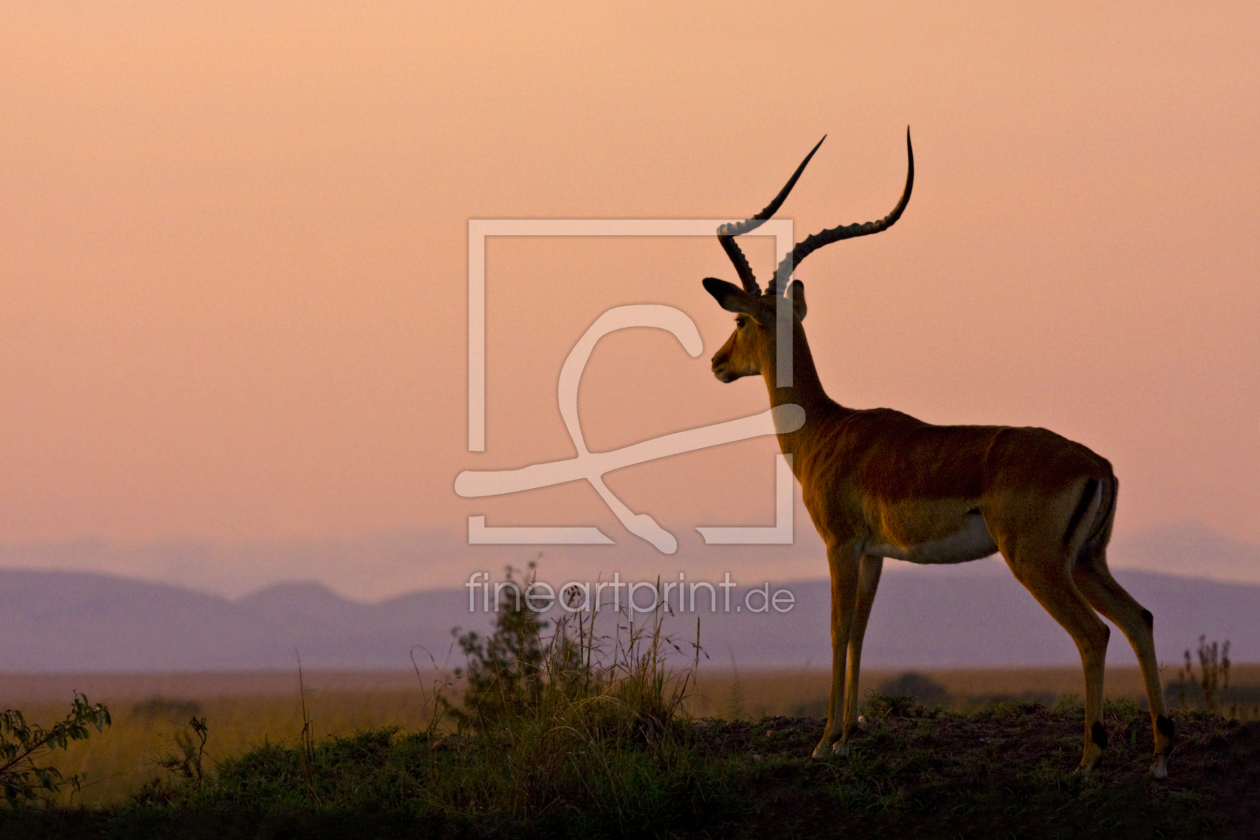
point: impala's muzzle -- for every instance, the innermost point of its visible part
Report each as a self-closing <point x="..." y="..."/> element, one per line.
<point x="721" y="372"/>
<point x="727" y="372"/>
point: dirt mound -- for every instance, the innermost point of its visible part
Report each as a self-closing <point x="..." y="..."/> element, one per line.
<point x="917" y="772"/>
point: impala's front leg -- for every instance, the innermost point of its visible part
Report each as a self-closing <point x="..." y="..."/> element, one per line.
<point x="868" y="581"/>
<point x="843" y="559"/>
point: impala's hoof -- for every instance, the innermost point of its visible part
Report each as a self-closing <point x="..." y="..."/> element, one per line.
<point x="841" y="749"/>
<point x="1087" y="768"/>
<point x="1093" y="752"/>
<point x="1089" y="763"/>
<point x="1160" y="768"/>
<point x="820" y="751"/>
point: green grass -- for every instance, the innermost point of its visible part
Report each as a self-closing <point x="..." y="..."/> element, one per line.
<point x="1005" y="771"/>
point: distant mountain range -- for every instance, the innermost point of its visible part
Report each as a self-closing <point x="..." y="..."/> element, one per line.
<point x="384" y="565"/>
<point x="970" y="615"/>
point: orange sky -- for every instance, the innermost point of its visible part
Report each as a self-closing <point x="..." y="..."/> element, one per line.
<point x="233" y="279"/>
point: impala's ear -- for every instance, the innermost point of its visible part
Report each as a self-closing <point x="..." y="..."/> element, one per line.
<point x="796" y="293"/>
<point x="729" y="296"/>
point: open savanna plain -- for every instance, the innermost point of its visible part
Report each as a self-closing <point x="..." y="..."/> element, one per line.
<point x="360" y="754"/>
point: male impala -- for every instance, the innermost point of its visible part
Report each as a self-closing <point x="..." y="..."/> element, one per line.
<point x="879" y="483"/>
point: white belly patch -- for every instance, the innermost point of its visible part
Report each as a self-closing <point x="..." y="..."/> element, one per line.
<point x="971" y="543"/>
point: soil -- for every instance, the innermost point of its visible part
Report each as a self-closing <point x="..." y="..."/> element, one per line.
<point x="1004" y="773"/>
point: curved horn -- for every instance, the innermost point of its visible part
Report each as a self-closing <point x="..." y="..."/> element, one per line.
<point x="727" y="233"/>
<point x="826" y="237"/>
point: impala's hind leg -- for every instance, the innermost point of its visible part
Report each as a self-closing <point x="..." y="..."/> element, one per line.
<point x="1095" y="582"/>
<point x="1046" y="576"/>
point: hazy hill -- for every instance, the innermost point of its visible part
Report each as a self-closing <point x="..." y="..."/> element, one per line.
<point x="387" y="564"/>
<point x="975" y="615"/>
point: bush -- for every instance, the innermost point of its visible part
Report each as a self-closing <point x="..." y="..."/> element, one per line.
<point x="923" y="689"/>
<point x="23" y="746"/>
<point x="573" y="675"/>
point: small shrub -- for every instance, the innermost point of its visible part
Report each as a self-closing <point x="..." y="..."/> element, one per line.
<point x="505" y="671"/>
<point x="886" y="706"/>
<point x="165" y="708"/>
<point x="185" y="769"/>
<point x="23" y="746"/>
<point x="1213" y="679"/>
<point x="574" y="675"/>
<point x="923" y="689"/>
<point x="191" y="741"/>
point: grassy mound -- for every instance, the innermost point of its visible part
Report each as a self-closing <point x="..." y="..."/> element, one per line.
<point x="1006" y="771"/>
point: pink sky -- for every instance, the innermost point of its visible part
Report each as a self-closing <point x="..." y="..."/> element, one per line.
<point x="233" y="279"/>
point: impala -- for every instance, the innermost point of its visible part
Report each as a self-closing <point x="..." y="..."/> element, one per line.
<point x="881" y="484"/>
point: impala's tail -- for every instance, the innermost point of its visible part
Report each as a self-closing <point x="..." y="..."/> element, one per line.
<point x="1090" y="524"/>
<point x="1101" y="532"/>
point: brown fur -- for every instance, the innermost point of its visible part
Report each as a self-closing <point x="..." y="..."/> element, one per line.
<point x="878" y="482"/>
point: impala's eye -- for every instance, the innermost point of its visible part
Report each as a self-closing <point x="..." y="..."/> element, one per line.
<point x="741" y="322"/>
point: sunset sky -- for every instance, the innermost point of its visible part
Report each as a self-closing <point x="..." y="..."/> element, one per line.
<point x="233" y="280"/>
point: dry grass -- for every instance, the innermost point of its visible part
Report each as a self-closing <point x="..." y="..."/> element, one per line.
<point x="246" y="709"/>
<point x="242" y="710"/>
<point x="755" y="694"/>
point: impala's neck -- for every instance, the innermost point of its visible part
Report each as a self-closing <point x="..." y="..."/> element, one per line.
<point x="806" y="391"/>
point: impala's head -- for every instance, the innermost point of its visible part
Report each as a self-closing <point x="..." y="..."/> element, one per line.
<point x="751" y="348"/>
